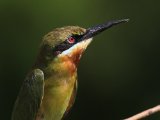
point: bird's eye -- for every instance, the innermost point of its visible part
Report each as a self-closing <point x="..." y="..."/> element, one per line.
<point x="71" y="40"/>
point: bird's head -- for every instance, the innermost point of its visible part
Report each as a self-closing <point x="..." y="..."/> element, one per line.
<point x="68" y="43"/>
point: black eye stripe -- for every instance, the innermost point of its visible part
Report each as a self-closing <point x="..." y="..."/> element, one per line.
<point x="62" y="46"/>
<point x="66" y="45"/>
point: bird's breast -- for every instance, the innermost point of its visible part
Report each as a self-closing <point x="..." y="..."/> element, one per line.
<point x="58" y="90"/>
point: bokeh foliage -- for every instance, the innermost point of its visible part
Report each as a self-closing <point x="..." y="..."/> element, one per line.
<point x="119" y="75"/>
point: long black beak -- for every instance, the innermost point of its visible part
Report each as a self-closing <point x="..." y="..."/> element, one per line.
<point x="91" y="32"/>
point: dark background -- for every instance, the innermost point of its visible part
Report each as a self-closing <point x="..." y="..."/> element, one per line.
<point x="119" y="74"/>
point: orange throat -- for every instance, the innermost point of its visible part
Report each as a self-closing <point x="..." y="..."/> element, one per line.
<point x="70" y="62"/>
<point x="72" y="56"/>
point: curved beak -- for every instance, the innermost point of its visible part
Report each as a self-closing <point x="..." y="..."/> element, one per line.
<point x="91" y="32"/>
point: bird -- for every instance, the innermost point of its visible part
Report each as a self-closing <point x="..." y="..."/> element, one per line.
<point x="49" y="89"/>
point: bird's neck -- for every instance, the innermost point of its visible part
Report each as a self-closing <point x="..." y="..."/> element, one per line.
<point x="64" y="64"/>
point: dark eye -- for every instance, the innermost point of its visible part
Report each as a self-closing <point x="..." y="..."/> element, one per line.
<point x="71" y="40"/>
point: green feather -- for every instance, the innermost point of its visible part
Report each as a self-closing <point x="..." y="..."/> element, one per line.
<point x="30" y="96"/>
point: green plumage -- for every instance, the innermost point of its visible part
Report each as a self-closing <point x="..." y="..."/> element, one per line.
<point x="30" y="96"/>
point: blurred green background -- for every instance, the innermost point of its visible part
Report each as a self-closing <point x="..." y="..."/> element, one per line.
<point x="119" y="74"/>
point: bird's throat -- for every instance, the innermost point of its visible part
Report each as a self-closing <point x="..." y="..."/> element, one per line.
<point x="75" y="52"/>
